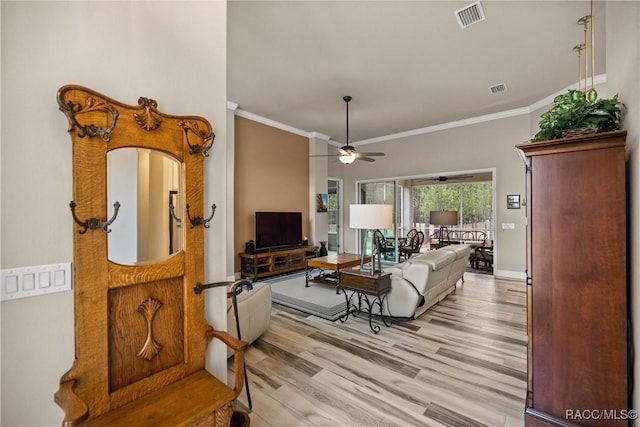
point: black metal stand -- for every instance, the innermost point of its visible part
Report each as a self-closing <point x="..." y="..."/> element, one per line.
<point x="236" y="289"/>
<point x="377" y="298"/>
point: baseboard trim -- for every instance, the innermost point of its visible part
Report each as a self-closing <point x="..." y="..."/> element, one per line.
<point x="508" y="274"/>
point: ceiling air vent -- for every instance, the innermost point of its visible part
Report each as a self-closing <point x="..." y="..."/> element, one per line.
<point x="470" y="15"/>
<point x="500" y="88"/>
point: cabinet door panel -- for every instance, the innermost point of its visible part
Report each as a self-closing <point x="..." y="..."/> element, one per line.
<point x="578" y="296"/>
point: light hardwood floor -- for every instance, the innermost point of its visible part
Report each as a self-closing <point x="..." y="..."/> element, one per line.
<point x="462" y="363"/>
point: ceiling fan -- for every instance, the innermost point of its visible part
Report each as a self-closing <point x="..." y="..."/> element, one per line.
<point x="453" y="177"/>
<point x="348" y="153"/>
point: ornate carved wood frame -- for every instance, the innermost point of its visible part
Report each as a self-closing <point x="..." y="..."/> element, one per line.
<point x="138" y="328"/>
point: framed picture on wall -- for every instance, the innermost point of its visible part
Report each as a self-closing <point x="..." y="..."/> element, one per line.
<point x="321" y="202"/>
<point x="513" y="201"/>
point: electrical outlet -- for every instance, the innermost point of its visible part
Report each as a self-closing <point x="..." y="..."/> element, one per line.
<point x="36" y="280"/>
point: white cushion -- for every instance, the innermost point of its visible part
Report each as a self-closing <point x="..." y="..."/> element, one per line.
<point x="461" y="250"/>
<point x="436" y="259"/>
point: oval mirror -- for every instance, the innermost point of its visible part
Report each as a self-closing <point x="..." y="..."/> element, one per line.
<point x="149" y="225"/>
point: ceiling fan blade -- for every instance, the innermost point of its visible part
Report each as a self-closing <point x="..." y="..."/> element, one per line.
<point x="361" y="155"/>
<point x="372" y="154"/>
<point x="324" y="155"/>
<point x="366" y="159"/>
<point x="452" y="177"/>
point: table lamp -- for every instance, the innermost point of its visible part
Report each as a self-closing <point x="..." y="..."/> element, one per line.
<point x="443" y="218"/>
<point x="370" y="217"/>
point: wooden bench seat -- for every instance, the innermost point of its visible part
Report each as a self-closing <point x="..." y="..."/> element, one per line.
<point x="192" y="401"/>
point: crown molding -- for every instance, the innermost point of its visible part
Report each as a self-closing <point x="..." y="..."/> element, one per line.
<point x="599" y="79"/>
<point x="318" y="135"/>
<point x="443" y="126"/>
<point x="265" y="121"/>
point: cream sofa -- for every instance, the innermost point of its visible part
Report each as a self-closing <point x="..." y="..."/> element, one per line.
<point x="254" y="312"/>
<point x="424" y="280"/>
<point x="462" y="252"/>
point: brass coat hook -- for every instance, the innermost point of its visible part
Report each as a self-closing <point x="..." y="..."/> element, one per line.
<point x="71" y="109"/>
<point x="199" y="220"/>
<point x="94" y="223"/>
<point x="207" y="139"/>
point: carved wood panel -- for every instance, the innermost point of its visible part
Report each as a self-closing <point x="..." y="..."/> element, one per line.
<point x="146" y="330"/>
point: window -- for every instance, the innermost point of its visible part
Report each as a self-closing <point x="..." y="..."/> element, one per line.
<point x="380" y="193"/>
<point x="472" y="201"/>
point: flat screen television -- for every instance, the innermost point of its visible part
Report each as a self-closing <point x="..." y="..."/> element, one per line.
<point x="278" y="230"/>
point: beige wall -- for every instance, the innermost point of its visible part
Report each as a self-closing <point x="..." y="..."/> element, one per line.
<point x="483" y="146"/>
<point x="272" y="174"/>
<point x="124" y="50"/>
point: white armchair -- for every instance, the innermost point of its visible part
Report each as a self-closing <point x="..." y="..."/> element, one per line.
<point x="254" y="312"/>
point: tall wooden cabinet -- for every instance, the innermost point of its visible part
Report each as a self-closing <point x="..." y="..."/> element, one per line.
<point x="577" y="292"/>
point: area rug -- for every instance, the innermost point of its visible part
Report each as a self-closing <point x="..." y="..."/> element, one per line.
<point x="318" y="300"/>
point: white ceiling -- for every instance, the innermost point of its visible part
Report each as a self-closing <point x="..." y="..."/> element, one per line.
<point x="407" y="65"/>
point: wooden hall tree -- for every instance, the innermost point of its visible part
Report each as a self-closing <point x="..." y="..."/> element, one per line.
<point x="140" y="329"/>
<point x="577" y="291"/>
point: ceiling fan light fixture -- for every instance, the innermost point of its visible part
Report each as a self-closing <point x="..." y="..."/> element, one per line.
<point x="347" y="159"/>
<point x="347" y="154"/>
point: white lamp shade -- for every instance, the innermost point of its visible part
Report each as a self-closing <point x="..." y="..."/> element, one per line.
<point x="371" y="217"/>
<point x="443" y="217"/>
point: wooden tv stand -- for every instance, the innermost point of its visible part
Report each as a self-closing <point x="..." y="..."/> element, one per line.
<point x="271" y="263"/>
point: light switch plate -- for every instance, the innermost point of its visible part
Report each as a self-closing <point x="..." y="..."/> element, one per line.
<point x="25" y="282"/>
<point x="508" y="226"/>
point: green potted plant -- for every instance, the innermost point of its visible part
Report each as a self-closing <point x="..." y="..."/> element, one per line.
<point x="577" y="112"/>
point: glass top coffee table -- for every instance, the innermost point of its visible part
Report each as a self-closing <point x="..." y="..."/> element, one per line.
<point x="330" y="262"/>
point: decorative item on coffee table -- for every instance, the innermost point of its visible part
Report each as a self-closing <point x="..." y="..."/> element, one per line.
<point x="371" y="291"/>
<point x="322" y="251"/>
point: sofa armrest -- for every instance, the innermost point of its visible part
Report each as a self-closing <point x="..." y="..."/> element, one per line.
<point x="417" y="274"/>
<point x="238" y="348"/>
<point x="403" y="299"/>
